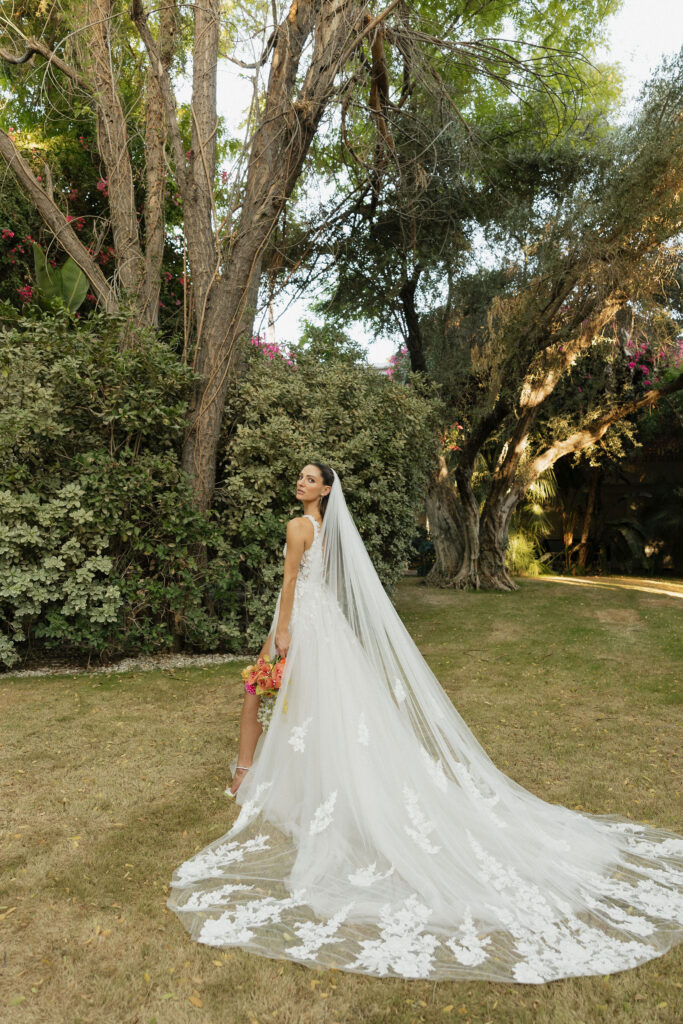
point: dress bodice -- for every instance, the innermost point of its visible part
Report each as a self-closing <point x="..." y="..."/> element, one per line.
<point x="311" y="561"/>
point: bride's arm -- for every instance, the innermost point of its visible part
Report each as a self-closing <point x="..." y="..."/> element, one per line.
<point x="296" y="533"/>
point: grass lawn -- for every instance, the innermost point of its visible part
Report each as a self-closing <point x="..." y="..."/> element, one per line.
<point x="110" y="781"/>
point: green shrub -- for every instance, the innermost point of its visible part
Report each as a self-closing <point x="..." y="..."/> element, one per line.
<point x="98" y="527"/>
<point x="102" y="549"/>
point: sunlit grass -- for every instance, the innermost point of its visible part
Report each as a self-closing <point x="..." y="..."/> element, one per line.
<point x="110" y="781"/>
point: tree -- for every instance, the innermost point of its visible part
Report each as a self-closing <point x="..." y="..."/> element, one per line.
<point x="314" y="53"/>
<point x="611" y="250"/>
<point x="587" y="227"/>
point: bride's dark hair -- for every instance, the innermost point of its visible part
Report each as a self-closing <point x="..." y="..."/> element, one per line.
<point x="328" y="479"/>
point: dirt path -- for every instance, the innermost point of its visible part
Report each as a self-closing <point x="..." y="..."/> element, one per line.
<point x="670" y="588"/>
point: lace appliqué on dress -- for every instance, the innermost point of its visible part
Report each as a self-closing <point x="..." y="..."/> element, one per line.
<point x="323" y="815"/>
<point x="403" y="946"/>
<point x="422" y="826"/>
<point x="234" y="927"/>
<point x="208" y="863"/>
<point x="468" y="948"/>
<point x="297" y="735"/>
<point x="366" y="876"/>
<point x="314" y="935"/>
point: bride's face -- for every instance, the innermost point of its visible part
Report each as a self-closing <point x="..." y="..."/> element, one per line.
<point x="310" y="484"/>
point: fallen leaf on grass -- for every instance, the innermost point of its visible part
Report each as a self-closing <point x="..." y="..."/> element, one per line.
<point x="15" y="1000"/>
<point x="195" y="999"/>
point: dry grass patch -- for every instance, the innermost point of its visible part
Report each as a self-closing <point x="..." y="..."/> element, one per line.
<point x="109" y="782"/>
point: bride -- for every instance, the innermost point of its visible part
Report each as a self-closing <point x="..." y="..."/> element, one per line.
<point x="375" y="835"/>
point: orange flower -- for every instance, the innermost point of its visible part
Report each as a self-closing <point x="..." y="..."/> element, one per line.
<point x="264" y="678"/>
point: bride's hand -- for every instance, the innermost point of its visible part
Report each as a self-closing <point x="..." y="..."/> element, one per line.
<point x="282" y="642"/>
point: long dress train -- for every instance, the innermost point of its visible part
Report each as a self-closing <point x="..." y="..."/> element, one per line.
<point x="375" y="835"/>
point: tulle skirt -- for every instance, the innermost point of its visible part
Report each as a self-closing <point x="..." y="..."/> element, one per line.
<point x="361" y="846"/>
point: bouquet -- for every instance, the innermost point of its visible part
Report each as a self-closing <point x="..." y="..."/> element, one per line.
<point x="265" y="678"/>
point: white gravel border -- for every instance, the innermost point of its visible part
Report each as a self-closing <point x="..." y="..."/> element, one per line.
<point x="145" y="663"/>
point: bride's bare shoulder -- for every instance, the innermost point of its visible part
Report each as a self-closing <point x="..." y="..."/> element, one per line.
<point x="299" y="525"/>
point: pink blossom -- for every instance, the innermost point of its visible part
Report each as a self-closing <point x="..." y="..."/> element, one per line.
<point x="25" y="293"/>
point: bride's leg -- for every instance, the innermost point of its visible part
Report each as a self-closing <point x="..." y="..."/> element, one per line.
<point x="250" y="730"/>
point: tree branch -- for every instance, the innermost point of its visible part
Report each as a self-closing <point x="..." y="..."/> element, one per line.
<point x="57" y="222"/>
<point x="592" y="433"/>
<point x="34" y="46"/>
<point x="139" y="18"/>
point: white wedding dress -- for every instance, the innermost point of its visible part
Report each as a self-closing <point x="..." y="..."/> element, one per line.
<point x="375" y="835"/>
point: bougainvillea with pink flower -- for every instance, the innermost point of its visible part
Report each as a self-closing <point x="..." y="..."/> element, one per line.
<point x="272" y="350"/>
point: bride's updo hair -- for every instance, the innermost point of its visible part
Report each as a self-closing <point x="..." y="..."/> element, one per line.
<point x="328" y="480"/>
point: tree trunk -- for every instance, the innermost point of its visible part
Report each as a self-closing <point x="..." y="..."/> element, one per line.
<point x="588" y="518"/>
<point x="493" y="542"/>
<point x="499" y="506"/>
<point x="281" y="143"/>
<point x="412" y="322"/>
<point x="568" y="526"/>
<point x="228" y="321"/>
<point x="454" y="529"/>
<point x="444" y="529"/>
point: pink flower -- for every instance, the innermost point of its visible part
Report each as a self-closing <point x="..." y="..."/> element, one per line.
<point x="25" y="293"/>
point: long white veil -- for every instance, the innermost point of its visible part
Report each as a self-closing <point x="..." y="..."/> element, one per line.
<point x="353" y="580"/>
